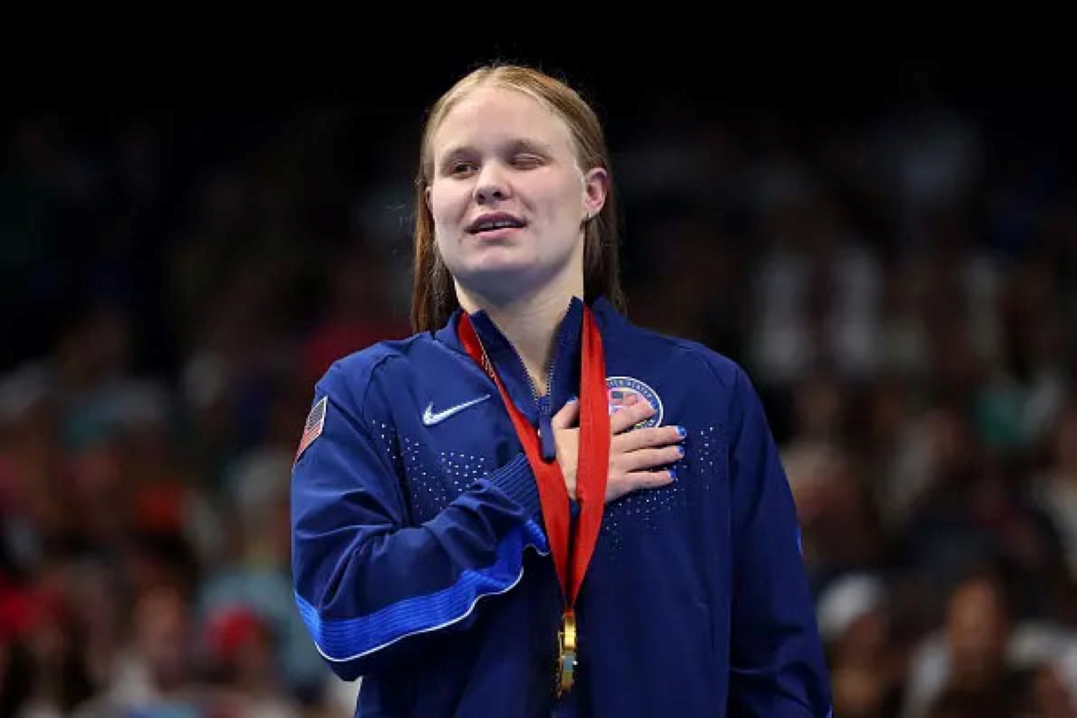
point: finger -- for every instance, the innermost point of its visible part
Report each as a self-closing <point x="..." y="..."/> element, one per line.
<point x="568" y="416"/>
<point x="645" y="438"/>
<point x="651" y="479"/>
<point x="640" y="480"/>
<point x="629" y="416"/>
<point x="649" y="458"/>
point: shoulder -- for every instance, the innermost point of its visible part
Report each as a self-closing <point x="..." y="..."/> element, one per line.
<point x="655" y="346"/>
<point x="721" y="385"/>
<point x="687" y="355"/>
<point x="349" y="379"/>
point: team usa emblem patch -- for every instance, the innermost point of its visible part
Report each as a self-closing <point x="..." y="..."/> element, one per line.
<point x="313" y="428"/>
<point x="620" y="388"/>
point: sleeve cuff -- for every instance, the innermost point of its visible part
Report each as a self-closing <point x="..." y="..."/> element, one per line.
<point x="518" y="482"/>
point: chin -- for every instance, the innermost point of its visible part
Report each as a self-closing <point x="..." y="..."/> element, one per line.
<point x="502" y="280"/>
<point x="505" y="273"/>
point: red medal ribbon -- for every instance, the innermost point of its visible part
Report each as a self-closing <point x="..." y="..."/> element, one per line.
<point x="593" y="459"/>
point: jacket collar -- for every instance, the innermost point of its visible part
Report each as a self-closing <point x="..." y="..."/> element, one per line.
<point x="564" y="381"/>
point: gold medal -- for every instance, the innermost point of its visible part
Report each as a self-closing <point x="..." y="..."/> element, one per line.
<point x="566" y="659"/>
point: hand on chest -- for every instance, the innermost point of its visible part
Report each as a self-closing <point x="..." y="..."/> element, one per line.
<point x="464" y="432"/>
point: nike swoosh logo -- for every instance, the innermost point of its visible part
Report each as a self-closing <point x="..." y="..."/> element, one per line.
<point x="431" y="417"/>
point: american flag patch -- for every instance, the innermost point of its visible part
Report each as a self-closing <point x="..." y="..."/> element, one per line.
<point x="313" y="428"/>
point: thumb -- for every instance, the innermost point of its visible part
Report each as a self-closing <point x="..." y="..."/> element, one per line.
<point x="568" y="416"/>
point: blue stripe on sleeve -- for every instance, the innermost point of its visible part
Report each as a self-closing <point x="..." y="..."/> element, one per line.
<point x="351" y="638"/>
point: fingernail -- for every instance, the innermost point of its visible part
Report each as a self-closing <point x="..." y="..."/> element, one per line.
<point x="681" y="430"/>
<point x="673" y="473"/>
<point x="572" y="399"/>
<point x="680" y="449"/>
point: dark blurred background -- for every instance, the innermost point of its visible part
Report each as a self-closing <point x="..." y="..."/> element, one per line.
<point x="887" y="244"/>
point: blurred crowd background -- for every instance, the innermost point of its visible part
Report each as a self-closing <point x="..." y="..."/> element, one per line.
<point x="892" y="261"/>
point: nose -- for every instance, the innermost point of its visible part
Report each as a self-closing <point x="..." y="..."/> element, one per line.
<point x="491" y="186"/>
<point x="489" y="193"/>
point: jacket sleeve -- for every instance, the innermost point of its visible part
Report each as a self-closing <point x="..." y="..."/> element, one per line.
<point x="777" y="665"/>
<point x="370" y="586"/>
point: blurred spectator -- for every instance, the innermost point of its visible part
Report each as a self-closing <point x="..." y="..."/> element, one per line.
<point x="867" y="673"/>
<point x="1056" y="488"/>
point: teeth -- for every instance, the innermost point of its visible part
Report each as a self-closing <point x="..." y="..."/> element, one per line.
<point x="496" y="225"/>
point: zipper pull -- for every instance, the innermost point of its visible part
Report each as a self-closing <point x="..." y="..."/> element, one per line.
<point x="573" y="509"/>
<point x="549" y="446"/>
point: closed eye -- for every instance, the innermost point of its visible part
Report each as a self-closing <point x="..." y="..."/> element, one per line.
<point x="527" y="161"/>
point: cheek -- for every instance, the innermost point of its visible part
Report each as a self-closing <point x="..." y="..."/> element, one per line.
<point x="567" y="202"/>
<point x="447" y="203"/>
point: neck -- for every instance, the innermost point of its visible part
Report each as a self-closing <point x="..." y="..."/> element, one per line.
<point x="530" y="323"/>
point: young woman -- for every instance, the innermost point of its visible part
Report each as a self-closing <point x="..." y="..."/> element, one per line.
<point x="532" y="506"/>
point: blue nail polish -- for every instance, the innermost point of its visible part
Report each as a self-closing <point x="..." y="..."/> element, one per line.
<point x="681" y="430"/>
<point x="681" y="450"/>
<point x="572" y="399"/>
<point x="673" y="473"/>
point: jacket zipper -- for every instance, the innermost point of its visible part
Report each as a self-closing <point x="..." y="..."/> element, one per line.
<point x="549" y="446"/>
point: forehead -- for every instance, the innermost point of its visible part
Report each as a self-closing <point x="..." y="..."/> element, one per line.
<point x="491" y="115"/>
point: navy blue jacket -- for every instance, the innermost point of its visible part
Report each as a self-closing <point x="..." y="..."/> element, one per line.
<point x="420" y="561"/>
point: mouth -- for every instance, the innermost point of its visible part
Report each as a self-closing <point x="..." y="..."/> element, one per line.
<point x="495" y="222"/>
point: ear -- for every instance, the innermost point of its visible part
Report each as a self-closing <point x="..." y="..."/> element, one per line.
<point x="595" y="186"/>
<point x="426" y="195"/>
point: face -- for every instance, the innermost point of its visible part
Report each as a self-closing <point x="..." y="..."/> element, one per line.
<point x="507" y="195"/>
<point x="976" y="631"/>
